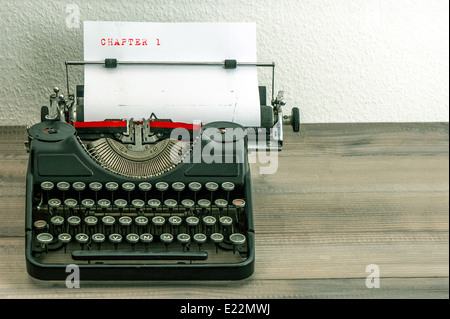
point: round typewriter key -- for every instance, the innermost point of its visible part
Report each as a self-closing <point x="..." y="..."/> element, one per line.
<point x="226" y="221"/>
<point x="128" y="187"/>
<point x="228" y="186"/>
<point x="54" y="203"/>
<point x="133" y="239"/>
<point x="88" y="203"/>
<point x="195" y="186"/>
<point x="158" y="220"/>
<point x="98" y="238"/>
<point x="44" y="239"/>
<point x="192" y="221"/>
<point x="237" y="239"/>
<point x="47" y="186"/>
<point x="112" y="186"/>
<point x="145" y="187"/>
<point x="79" y="186"/>
<point x="104" y="203"/>
<point x="200" y="239"/>
<point x="217" y="238"/>
<point x="178" y="186"/>
<point x="82" y="239"/>
<point x="183" y="239"/>
<point x="64" y="238"/>
<point x="120" y="204"/>
<point x="141" y="221"/>
<point x="74" y="220"/>
<point x="162" y="186"/>
<point x="175" y="220"/>
<point x="95" y="186"/>
<point x="63" y="186"/>
<point x="238" y="203"/>
<point x="170" y="204"/>
<point x="40" y="226"/>
<point x="209" y="220"/>
<point x="166" y="238"/>
<point x="90" y="221"/>
<point x="57" y="220"/>
<point x="138" y="204"/>
<point x="71" y="203"/>
<point x="221" y="204"/>
<point x="57" y="223"/>
<point x="115" y="239"/>
<point x="108" y="220"/>
<point x="212" y="186"/>
<point x="187" y="203"/>
<point x="146" y="238"/>
<point x="125" y="222"/>
<point x="204" y="204"/>
<point x="154" y="204"/>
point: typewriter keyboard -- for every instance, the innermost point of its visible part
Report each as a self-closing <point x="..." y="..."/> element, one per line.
<point x="139" y="222"/>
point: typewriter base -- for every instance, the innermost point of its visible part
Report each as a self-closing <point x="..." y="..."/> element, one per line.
<point x="182" y="270"/>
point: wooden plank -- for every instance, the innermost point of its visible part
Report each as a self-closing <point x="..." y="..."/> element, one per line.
<point x="343" y="196"/>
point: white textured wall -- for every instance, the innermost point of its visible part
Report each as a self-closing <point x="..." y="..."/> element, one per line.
<point x="337" y="60"/>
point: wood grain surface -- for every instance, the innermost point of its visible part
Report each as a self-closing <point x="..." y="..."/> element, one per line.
<point x="344" y="196"/>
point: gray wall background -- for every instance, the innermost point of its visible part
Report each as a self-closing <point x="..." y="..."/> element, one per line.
<point x="337" y="60"/>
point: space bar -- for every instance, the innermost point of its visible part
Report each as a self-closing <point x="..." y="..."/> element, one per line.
<point x="138" y="255"/>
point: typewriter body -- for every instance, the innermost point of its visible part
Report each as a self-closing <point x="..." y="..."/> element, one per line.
<point x="127" y="199"/>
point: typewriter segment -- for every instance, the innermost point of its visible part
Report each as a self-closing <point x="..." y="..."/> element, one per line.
<point x="121" y="213"/>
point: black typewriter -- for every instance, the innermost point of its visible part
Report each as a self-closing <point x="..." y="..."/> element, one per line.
<point x="123" y="199"/>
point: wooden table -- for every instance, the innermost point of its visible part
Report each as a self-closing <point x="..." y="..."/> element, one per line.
<point x="344" y="196"/>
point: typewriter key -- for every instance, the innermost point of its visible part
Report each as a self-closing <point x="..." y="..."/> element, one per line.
<point x="228" y="187"/>
<point x="115" y="239"/>
<point x="82" y="239"/>
<point x="199" y="239"/>
<point x="237" y="239"/>
<point x="95" y="187"/>
<point x="154" y="204"/>
<point x="141" y="222"/>
<point x="104" y="204"/>
<point x="146" y="238"/>
<point x="166" y="238"/>
<point x="170" y="204"/>
<point x="133" y="239"/>
<point x="98" y="239"/>
<point x="178" y="187"/>
<point x="108" y="223"/>
<point x="145" y="187"/>
<point x="90" y="222"/>
<point x="125" y="222"/>
<point x="195" y="187"/>
<point x="188" y="204"/>
<point x="175" y="222"/>
<point x="204" y="204"/>
<point x="44" y="239"/>
<point x="138" y="204"/>
<point x="192" y="223"/>
<point x="209" y="222"/>
<point x="54" y="203"/>
<point x="87" y="204"/>
<point x="221" y="204"/>
<point x="226" y="222"/>
<point x="71" y="204"/>
<point x="40" y="226"/>
<point x="64" y="238"/>
<point x="162" y="187"/>
<point x="57" y="223"/>
<point x="74" y="224"/>
<point x="120" y="204"/>
<point x="183" y="239"/>
<point x="47" y="186"/>
<point x="239" y="204"/>
<point x="63" y="187"/>
<point x="79" y="187"/>
<point x="212" y="187"/>
<point x="217" y="238"/>
<point x="128" y="187"/>
<point x="112" y="187"/>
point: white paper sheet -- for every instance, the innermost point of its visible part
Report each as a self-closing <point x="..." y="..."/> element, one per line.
<point x="180" y="93"/>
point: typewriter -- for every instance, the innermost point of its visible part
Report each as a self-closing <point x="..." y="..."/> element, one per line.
<point x="123" y="199"/>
